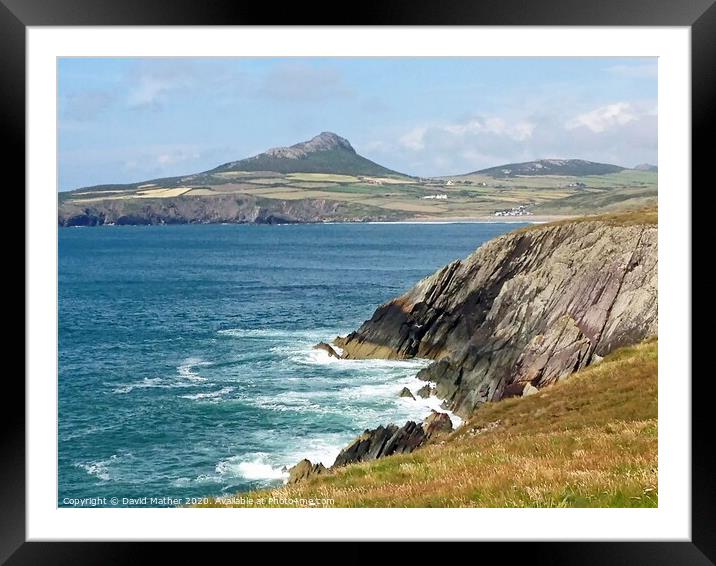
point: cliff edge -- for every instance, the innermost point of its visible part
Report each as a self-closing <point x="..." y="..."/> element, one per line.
<point x="524" y="310"/>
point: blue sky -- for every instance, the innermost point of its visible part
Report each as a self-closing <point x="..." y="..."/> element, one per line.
<point x="129" y="119"/>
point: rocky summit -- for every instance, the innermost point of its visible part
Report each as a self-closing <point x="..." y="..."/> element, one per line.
<point x="324" y="141"/>
<point x="524" y="310"/>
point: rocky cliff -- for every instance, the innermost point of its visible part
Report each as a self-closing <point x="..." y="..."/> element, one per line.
<point x="208" y="210"/>
<point x="524" y="310"/>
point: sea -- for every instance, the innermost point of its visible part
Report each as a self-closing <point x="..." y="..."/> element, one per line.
<point x="186" y="366"/>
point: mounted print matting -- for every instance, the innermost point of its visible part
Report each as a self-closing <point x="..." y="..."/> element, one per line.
<point x="424" y="275"/>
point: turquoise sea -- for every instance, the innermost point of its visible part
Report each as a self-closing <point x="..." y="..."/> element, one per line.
<point x="185" y="359"/>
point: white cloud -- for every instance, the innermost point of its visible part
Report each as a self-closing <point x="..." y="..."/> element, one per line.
<point x="609" y="117"/>
<point x="414" y="139"/>
<point x="148" y="91"/>
<point x="149" y="84"/>
<point x="623" y="133"/>
<point x="460" y="132"/>
<point x="176" y="156"/>
<point x="520" y="130"/>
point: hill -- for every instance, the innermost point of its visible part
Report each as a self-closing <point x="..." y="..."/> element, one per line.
<point x="570" y="167"/>
<point x="325" y="153"/>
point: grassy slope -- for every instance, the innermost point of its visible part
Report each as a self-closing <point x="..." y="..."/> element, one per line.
<point x="589" y="441"/>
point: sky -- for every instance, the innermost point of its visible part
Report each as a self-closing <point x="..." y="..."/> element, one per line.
<point x="123" y="120"/>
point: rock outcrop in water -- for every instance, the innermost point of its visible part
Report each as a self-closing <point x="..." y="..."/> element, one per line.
<point x="524" y="310"/>
<point x="392" y="439"/>
<point x="326" y="348"/>
<point x="382" y="441"/>
<point x="405" y="392"/>
<point x="378" y="443"/>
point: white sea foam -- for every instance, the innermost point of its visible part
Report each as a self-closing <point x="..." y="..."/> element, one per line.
<point x="303" y="355"/>
<point x="150" y="383"/>
<point x="322" y="448"/>
<point x="215" y="395"/>
<point x="99" y="468"/>
<point x="250" y="467"/>
<point x="147" y="382"/>
<point x="186" y="369"/>
<point x="206" y="478"/>
<point x="306" y="335"/>
<point x="431" y="403"/>
<point x="290" y="402"/>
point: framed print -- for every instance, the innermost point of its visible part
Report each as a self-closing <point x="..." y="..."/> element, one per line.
<point x="393" y="279"/>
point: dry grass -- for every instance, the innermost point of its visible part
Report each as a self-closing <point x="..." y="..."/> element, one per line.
<point x="640" y="217"/>
<point x="588" y="441"/>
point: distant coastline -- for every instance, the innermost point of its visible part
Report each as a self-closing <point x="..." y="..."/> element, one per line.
<point x="527" y="219"/>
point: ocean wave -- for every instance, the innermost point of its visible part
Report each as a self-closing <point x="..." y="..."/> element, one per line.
<point x="212" y="395"/>
<point x="319" y="448"/>
<point x="146" y="383"/>
<point x="88" y="431"/>
<point x="308" y="355"/>
<point x="99" y="468"/>
<point x="306" y="335"/>
<point x="186" y="369"/>
<point x="149" y="383"/>
<point x="250" y="467"/>
<point x="428" y="404"/>
<point x="290" y="401"/>
<point x="202" y="479"/>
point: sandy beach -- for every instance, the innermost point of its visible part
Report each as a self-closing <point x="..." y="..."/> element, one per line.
<point x="534" y="218"/>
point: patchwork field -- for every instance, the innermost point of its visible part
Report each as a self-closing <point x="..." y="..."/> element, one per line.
<point x="465" y="197"/>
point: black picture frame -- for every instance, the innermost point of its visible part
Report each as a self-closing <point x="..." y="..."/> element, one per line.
<point x="699" y="15"/>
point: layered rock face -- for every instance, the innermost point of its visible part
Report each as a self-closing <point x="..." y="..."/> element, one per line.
<point x="392" y="439"/>
<point x="521" y="312"/>
<point x="379" y="443"/>
<point x="187" y="210"/>
<point x="382" y="441"/>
